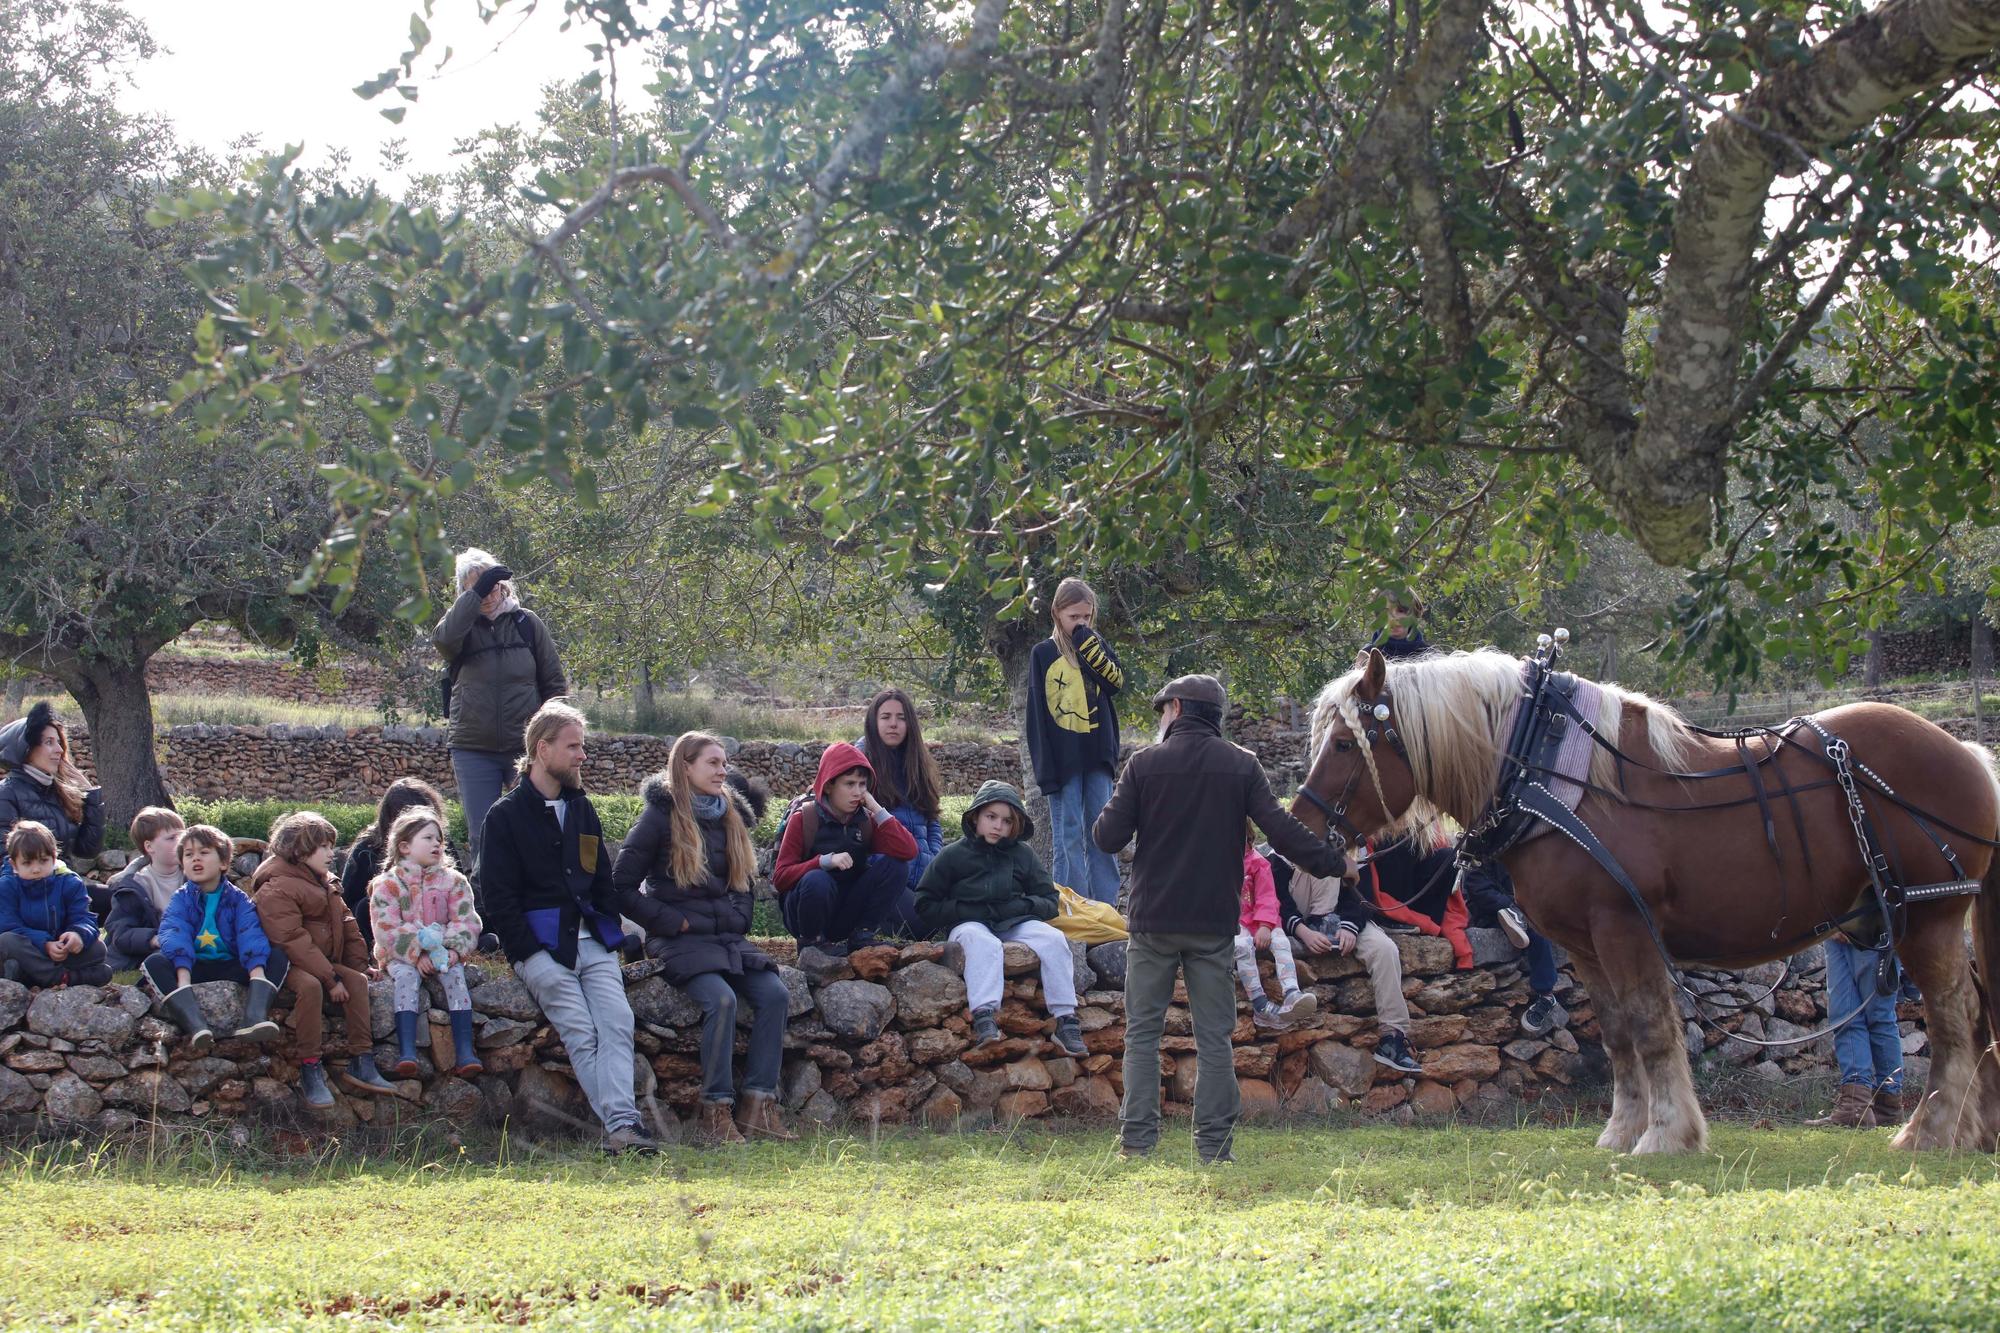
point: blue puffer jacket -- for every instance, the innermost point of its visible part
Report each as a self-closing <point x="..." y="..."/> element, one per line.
<point x="42" y="909"/>
<point x="930" y="839"/>
<point x="235" y="919"/>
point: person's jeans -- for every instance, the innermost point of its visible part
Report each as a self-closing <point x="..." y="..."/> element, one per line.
<point x="824" y="906"/>
<point x="1206" y="963"/>
<point x="1540" y="956"/>
<point x="589" y="1012"/>
<point x="482" y="777"/>
<point x="88" y="968"/>
<point x="1075" y="858"/>
<point x="1869" y="1046"/>
<point x="717" y="993"/>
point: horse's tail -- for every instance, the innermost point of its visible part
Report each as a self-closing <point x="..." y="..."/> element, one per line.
<point x="1986" y="913"/>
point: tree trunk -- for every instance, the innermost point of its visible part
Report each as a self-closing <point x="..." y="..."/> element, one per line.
<point x="1982" y="645"/>
<point x="119" y="710"/>
<point x="645" y="707"/>
<point x="1872" y="664"/>
<point x="1012" y="641"/>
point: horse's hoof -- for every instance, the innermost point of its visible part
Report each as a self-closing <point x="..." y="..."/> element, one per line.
<point x="1617" y="1138"/>
<point x="1661" y="1139"/>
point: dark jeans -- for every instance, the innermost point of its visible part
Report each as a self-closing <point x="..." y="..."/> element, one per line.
<point x="37" y="969"/>
<point x="1541" y="960"/>
<point x="1488" y="891"/>
<point x="717" y="994"/>
<point x="160" y="971"/>
<point x="823" y="906"/>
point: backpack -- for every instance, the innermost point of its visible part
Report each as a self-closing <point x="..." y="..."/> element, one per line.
<point x="805" y="804"/>
<point x="448" y="678"/>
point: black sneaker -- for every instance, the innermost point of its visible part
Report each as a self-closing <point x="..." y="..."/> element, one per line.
<point x="831" y="948"/>
<point x="1069" y="1035"/>
<point x="862" y="939"/>
<point x="631" y="1138"/>
<point x="1394" y="927"/>
<point x="1394" y="1051"/>
<point x="1544" y="1016"/>
<point x="985" y="1030"/>
<point x="1514" y="926"/>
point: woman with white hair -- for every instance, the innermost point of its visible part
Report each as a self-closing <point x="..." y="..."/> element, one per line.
<point x="500" y="666"/>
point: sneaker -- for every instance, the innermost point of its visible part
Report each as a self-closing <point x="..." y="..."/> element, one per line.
<point x="1131" y="1154"/>
<point x="1398" y="927"/>
<point x="1069" y="1036"/>
<point x="1223" y="1158"/>
<point x="1394" y="1051"/>
<point x="1543" y="1016"/>
<point x="862" y="939"/>
<point x="631" y="1138"/>
<point x="831" y="948"/>
<point x="1270" y="1017"/>
<point x="985" y="1029"/>
<point x="1299" y="1005"/>
<point x="1514" y="926"/>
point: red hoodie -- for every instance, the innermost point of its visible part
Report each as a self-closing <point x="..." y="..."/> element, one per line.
<point x="858" y="835"/>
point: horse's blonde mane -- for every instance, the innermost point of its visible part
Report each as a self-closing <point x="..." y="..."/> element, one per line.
<point x="1454" y="712"/>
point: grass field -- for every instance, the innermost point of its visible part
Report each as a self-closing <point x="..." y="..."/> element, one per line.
<point x="1323" y="1227"/>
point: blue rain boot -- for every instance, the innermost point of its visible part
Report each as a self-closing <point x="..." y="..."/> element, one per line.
<point x="466" y="1063"/>
<point x="362" y="1076"/>
<point x="312" y="1086"/>
<point x="406" y="1044"/>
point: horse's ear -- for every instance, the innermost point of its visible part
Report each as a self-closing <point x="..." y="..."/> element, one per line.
<point x="1374" y="672"/>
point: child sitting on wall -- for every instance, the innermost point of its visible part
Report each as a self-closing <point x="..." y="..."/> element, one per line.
<point x="48" y="936"/>
<point x="1257" y="928"/>
<point x="421" y="889"/>
<point x="210" y="932"/>
<point x="988" y="889"/>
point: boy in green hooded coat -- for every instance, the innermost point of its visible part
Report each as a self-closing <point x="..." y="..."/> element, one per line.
<point x="987" y="890"/>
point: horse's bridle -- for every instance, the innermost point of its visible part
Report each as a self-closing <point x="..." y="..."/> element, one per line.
<point x="1340" y="830"/>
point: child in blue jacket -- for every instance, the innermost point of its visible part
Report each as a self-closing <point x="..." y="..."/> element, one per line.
<point x="48" y="936"/>
<point x="210" y="932"/>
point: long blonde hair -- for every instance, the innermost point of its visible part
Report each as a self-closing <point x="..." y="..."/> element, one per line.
<point x="687" y="858"/>
<point x="1068" y="593"/>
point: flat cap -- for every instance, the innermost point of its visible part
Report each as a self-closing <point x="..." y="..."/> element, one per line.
<point x="1192" y="689"/>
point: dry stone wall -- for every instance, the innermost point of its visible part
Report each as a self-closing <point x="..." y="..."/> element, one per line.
<point x="880" y="1038"/>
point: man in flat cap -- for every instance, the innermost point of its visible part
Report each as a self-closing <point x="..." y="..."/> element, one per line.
<point x="1186" y="799"/>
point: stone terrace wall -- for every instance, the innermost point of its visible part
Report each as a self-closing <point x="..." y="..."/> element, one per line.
<point x="878" y="1038"/>
<point x="356" y="684"/>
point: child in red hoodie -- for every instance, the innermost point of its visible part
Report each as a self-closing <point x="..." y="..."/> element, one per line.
<point x="843" y="863"/>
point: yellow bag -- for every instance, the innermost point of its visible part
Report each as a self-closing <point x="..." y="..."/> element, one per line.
<point x="1086" y="919"/>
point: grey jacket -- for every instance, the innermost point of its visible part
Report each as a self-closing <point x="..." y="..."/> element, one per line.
<point x="506" y="670"/>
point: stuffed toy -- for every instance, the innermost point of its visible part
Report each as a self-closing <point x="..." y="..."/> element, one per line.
<point x="430" y="940"/>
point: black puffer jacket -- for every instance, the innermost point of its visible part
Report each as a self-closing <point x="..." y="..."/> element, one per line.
<point x="21" y="797"/>
<point x="692" y="928"/>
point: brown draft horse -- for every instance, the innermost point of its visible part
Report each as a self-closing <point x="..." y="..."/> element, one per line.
<point x="1709" y="878"/>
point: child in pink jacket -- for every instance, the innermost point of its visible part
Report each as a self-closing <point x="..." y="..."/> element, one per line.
<point x="425" y="925"/>
<point x="1257" y="928"/>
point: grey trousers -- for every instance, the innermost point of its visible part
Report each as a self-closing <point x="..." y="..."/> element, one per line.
<point x="588" y="1009"/>
<point x="1151" y="964"/>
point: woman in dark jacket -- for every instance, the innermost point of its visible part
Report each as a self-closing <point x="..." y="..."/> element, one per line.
<point x="43" y="785"/>
<point x="502" y="666"/>
<point x="684" y="875"/>
<point x="366" y="859"/>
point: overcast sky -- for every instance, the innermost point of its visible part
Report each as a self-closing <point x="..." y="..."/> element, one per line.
<point x="285" y="70"/>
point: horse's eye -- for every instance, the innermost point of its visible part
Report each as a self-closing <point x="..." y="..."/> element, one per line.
<point x="1343" y="746"/>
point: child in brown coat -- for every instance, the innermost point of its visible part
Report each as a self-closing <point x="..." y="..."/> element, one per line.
<point x="303" y="913"/>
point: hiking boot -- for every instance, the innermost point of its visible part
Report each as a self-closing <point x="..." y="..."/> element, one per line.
<point x="1223" y="1158"/>
<point x="718" y="1126"/>
<point x="1069" y="1036"/>
<point x="757" y="1117"/>
<point x="465" y="1061"/>
<point x="1543" y="1016"/>
<point x="312" y="1086"/>
<point x="1131" y="1154"/>
<point x="862" y="939"/>
<point x="1514" y="926"/>
<point x="831" y="948"/>
<point x="1393" y="1050"/>
<point x="257" y="1024"/>
<point x="406" y="1045"/>
<point x="631" y="1138"/>
<point x="185" y="1010"/>
<point x="1888" y="1106"/>
<point x="361" y="1075"/>
<point x="1853" y="1108"/>
<point x="1269" y="1017"/>
<point x="985" y="1029"/>
<point x="1299" y="1005"/>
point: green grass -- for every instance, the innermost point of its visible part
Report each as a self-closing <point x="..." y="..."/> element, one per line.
<point x="1315" y="1227"/>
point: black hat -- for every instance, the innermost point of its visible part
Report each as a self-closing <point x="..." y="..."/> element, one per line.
<point x="1194" y="690"/>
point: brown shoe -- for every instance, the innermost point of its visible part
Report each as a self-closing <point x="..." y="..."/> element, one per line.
<point x="717" y="1130"/>
<point x="1888" y="1107"/>
<point x="1853" y="1108"/>
<point x="757" y="1117"/>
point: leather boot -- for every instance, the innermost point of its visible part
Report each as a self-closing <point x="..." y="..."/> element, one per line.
<point x="1853" y="1108"/>
<point x="406" y="1044"/>
<point x="466" y="1061"/>
<point x="185" y="1010"/>
<point x="361" y="1075"/>
<point x="1889" y="1106"/>
<point x="717" y="1130"/>
<point x="257" y="1024"/>
<point x="757" y="1117"/>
